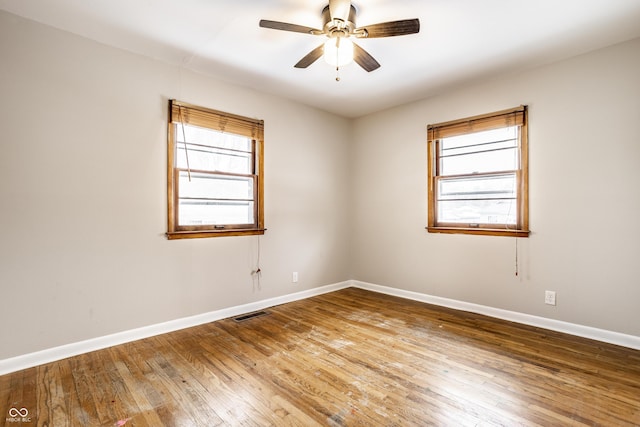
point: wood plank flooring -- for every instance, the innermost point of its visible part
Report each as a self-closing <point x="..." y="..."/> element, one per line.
<point x="348" y="358"/>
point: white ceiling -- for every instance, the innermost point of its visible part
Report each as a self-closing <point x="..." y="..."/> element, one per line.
<point x="459" y="41"/>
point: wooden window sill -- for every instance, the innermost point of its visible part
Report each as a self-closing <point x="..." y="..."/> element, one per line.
<point x="479" y="231"/>
<point x="175" y="235"/>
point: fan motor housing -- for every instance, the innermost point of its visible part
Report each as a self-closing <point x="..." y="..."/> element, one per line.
<point x="338" y="27"/>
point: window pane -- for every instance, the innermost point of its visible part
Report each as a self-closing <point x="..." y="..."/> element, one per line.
<point x="477" y="211"/>
<point x="212" y="186"/>
<point x="212" y="212"/>
<point x="481" y="187"/>
<point x="212" y="150"/>
<point x="484" y="137"/>
<point x="487" y="151"/>
<point x="213" y="138"/>
<point x="483" y="199"/>
<point x="214" y="159"/>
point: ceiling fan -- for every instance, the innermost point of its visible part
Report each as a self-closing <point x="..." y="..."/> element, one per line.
<point x="339" y="25"/>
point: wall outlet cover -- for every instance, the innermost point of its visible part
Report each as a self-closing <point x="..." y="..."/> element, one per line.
<point x="550" y="297"/>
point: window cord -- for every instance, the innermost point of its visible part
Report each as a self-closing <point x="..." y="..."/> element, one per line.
<point x="184" y="137"/>
<point x="257" y="273"/>
<point x="517" y="155"/>
<point x="516" y="256"/>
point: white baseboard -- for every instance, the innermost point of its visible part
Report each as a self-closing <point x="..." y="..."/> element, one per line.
<point x="603" y="335"/>
<point x="62" y="352"/>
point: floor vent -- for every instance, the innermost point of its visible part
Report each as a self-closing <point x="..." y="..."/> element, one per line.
<point x="250" y="316"/>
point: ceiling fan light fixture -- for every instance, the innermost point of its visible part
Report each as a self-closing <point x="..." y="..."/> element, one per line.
<point x="338" y="51"/>
<point x="339" y="25"/>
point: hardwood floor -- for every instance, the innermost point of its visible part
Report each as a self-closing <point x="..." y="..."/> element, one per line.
<point x="346" y="358"/>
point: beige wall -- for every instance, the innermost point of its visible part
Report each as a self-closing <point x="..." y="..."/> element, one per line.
<point x="584" y="138"/>
<point x="83" y="190"/>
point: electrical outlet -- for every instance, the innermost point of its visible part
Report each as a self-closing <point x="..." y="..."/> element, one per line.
<point x="550" y="297"/>
<point x="294" y="277"/>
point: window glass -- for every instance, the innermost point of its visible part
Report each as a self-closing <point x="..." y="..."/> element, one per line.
<point x="493" y="150"/>
<point x="207" y="149"/>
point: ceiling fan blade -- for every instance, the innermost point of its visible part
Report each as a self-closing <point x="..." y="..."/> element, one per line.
<point x="311" y="57"/>
<point x="339" y="9"/>
<point x="389" y="29"/>
<point x="284" y="26"/>
<point x="364" y="59"/>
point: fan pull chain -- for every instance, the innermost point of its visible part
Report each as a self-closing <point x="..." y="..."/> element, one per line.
<point x="337" y="59"/>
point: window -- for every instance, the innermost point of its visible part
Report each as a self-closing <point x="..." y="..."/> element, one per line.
<point x="478" y="175"/>
<point x="215" y="173"/>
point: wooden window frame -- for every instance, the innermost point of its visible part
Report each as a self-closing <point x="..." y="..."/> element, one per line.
<point x="515" y="116"/>
<point x="181" y="112"/>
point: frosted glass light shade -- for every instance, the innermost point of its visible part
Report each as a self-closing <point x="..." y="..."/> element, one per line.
<point x="338" y="51"/>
